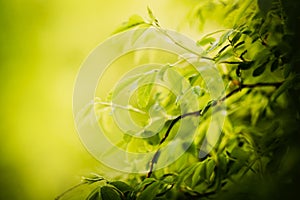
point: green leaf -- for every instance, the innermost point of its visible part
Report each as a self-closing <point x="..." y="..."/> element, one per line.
<point x="94" y="195"/>
<point x="265" y="5"/>
<point x="225" y="36"/>
<point x="108" y="193"/>
<point x="196" y="175"/>
<point x="133" y="21"/>
<point x="287" y="70"/>
<point x="198" y="91"/>
<point x="274" y="65"/>
<point x="123" y="187"/>
<point x="259" y="70"/>
<point x="289" y="83"/>
<point x="225" y="47"/>
<point x="150" y="192"/>
<point x="205" y="41"/>
<point x="239" y="44"/>
<point x="94" y="178"/>
<point x="145" y="91"/>
<point x="145" y="182"/>
<point x="245" y="65"/>
<point x="236" y="38"/>
<point x="186" y="173"/>
<point x="247" y="32"/>
<point x="222" y="164"/>
<point x="153" y="140"/>
<point x="222" y="40"/>
<point x="152" y="17"/>
<point x="210" y="166"/>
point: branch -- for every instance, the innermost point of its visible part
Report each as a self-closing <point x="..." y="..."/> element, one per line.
<point x="174" y="121"/>
<point x="242" y="86"/>
<point x="201" y="113"/>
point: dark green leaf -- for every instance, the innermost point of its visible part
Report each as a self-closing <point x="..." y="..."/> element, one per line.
<point x="123" y="187"/>
<point x="150" y="192"/>
<point x="222" y="164"/>
<point x="265" y="5"/>
<point x="259" y="70"/>
<point x="210" y="166"/>
<point x="196" y="175"/>
<point x="247" y="32"/>
<point x="145" y="183"/>
<point x="239" y="44"/>
<point x="225" y="47"/>
<point x="242" y="54"/>
<point x="245" y="65"/>
<point x="255" y="39"/>
<point x="284" y="87"/>
<point x="186" y="173"/>
<point x="274" y="65"/>
<point x="94" y="195"/>
<point x="108" y="193"/>
<point x="236" y="38"/>
<point x="287" y="70"/>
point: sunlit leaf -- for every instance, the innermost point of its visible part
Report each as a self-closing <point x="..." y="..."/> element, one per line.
<point x="206" y="41"/>
<point x="133" y="21"/>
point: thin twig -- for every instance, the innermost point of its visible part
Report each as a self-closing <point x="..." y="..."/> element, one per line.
<point x="242" y="86"/>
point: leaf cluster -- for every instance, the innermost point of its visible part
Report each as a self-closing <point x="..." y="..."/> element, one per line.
<point x="257" y="153"/>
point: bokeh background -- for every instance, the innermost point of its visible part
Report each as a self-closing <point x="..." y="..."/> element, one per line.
<point x="42" y="45"/>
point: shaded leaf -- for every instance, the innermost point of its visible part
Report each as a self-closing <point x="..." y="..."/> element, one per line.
<point x="284" y="87"/>
<point x="239" y="44"/>
<point x="247" y="32"/>
<point x="245" y="65"/>
<point x="225" y="47"/>
<point x="196" y="175"/>
<point x="265" y="5"/>
<point x="108" y="193"/>
<point x="236" y="38"/>
<point x="150" y="192"/>
<point x="94" y="195"/>
<point x="274" y="65"/>
<point x="259" y="70"/>
<point x="287" y="70"/>
<point x="122" y="186"/>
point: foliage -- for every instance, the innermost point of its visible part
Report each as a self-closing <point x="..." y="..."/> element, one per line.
<point x="257" y="154"/>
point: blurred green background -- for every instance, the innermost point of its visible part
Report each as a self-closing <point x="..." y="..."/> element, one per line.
<point x="42" y="45"/>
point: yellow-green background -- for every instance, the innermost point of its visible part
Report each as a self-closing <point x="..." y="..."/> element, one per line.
<point x="42" y="44"/>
